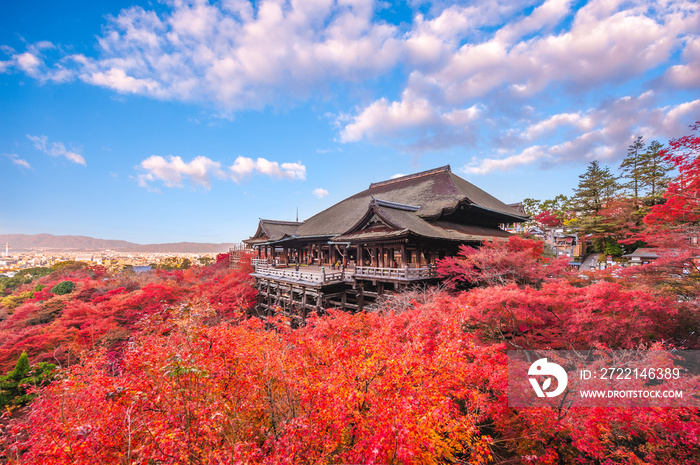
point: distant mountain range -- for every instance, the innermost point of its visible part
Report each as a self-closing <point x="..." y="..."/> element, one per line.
<point x="90" y="244"/>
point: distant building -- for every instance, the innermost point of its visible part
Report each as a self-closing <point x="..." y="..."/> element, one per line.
<point x="84" y="257"/>
<point x="644" y="255"/>
<point x="519" y="227"/>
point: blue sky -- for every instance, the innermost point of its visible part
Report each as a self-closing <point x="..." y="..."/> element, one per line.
<point x="189" y="120"/>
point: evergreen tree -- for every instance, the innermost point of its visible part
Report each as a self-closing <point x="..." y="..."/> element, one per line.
<point x="632" y="167"/>
<point x="14" y="385"/>
<point x="654" y="171"/>
<point x="596" y="187"/>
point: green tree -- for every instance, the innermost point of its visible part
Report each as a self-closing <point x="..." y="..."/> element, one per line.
<point x="174" y="263"/>
<point x="532" y="207"/>
<point x="654" y="172"/>
<point x="64" y="287"/>
<point x="632" y="167"/>
<point x="596" y="187"/>
<point x="14" y="385"/>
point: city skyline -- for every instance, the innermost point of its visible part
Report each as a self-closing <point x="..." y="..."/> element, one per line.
<point x="188" y="121"/>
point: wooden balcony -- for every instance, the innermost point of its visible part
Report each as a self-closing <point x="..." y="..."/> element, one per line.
<point x="395" y="274"/>
<point x="320" y="276"/>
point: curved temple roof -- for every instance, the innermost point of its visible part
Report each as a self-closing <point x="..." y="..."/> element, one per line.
<point x="416" y="202"/>
<point x="435" y="191"/>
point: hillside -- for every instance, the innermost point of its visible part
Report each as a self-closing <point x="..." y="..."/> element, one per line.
<point x="85" y="243"/>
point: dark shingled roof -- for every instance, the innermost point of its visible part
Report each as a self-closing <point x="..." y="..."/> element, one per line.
<point x="272" y="230"/>
<point x="435" y="192"/>
<point x="400" y="220"/>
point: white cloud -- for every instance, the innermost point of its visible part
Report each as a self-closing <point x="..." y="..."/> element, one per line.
<point x="22" y="163"/>
<point x="607" y="132"/>
<point x="527" y="156"/>
<point x="320" y="192"/>
<point x="481" y="72"/>
<point x="233" y="55"/>
<point x="32" y="63"/>
<point x="601" y="43"/>
<point x="56" y="149"/>
<point x="117" y="79"/>
<point x="687" y="75"/>
<point x="244" y="167"/>
<point x="173" y="170"/>
<point x="28" y="63"/>
<point x="415" y="119"/>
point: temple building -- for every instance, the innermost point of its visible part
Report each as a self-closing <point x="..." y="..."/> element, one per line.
<point x="381" y="239"/>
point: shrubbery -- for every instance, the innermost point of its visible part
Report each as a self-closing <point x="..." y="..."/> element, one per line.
<point x="64" y="287"/>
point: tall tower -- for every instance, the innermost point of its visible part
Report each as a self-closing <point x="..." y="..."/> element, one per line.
<point x="7" y="249"/>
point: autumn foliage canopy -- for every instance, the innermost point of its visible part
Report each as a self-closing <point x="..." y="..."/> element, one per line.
<point x="174" y="367"/>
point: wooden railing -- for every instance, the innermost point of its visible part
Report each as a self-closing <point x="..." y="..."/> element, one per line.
<point x="329" y="277"/>
<point x="240" y="248"/>
<point x="404" y="274"/>
<point x="259" y="261"/>
<point x="289" y="273"/>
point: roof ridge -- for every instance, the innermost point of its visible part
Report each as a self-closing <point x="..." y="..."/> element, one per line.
<point x="281" y="222"/>
<point x="398" y="206"/>
<point x="442" y="169"/>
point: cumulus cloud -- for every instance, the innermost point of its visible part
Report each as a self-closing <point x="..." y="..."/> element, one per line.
<point x="235" y="55"/>
<point x="598" y="44"/>
<point x="244" y="167"/>
<point x="172" y="171"/>
<point x="602" y="133"/>
<point x="686" y="75"/>
<point x="469" y="73"/>
<point x="320" y="192"/>
<point x="416" y="121"/>
<point x="56" y="149"/>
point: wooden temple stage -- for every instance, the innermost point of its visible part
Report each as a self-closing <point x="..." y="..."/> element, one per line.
<point x="383" y="239"/>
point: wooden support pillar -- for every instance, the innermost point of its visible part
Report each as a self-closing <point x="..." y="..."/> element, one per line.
<point x="269" y="299"/>
<point x="344" y="300"/>
<point x="360" y="296"/>
<point x="404" y="262"/>
<point x="304" y="310"/>
<point x="319" y="301"/>
<point x="360" y="259"/>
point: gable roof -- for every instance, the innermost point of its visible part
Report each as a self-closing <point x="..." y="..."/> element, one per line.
<point x="436" y="192"/>
<point x="399" y="220"/>
<point x="272" y="230"/>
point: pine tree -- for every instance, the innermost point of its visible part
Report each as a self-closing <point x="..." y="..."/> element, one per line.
<point x="14" y="385"/>
<point x="596" y="187"/>
<point x="654" y="171"/>
<point x="632" y="167"/>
